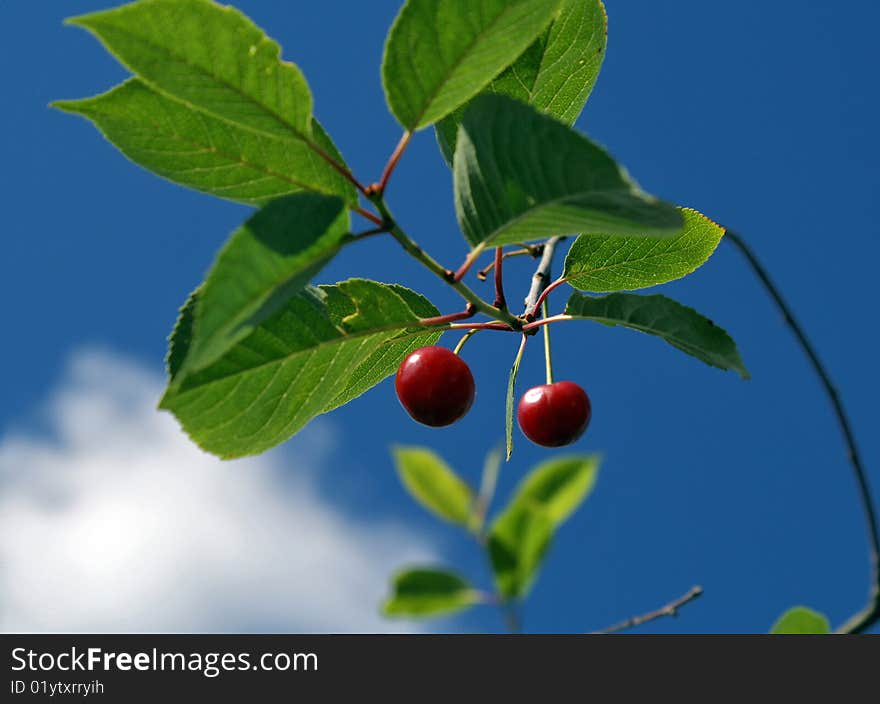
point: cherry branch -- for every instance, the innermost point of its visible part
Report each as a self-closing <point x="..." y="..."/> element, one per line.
<point x="415" y="251"/>
<point x="670" y="610"/>
<point x="541" y="277"/>
<point x="870" y="614"/>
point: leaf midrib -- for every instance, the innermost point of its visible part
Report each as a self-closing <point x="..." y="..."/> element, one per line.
<point x="264" y="108"/>
<point x="477" y="39"/>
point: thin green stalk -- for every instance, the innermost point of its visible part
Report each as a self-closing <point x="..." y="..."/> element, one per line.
<point x="467" y="336"/>
<point x="548" y="356"/>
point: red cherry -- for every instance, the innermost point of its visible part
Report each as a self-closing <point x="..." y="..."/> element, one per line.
<point x="435" y="386"/>
<point x="553" y="415"/>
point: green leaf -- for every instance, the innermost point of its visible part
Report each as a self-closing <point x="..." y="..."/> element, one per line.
<point x="556" y="74"/>
<point x="520" y="536"/>
<point x="429" y="592"/>
<point x="599" y="264"/>
<point x="558" y="486"/>
<point x="384" y="361"/>
<point x="801" y="620"/>
<point x="216" y="156"/>
<point x="290" y="368"/>
<point x="521" y="175"/>
<point x="267" y="260"/>
<point x="509" y="401"/>
<point x="440" y="53"/>
<point x="518" y="542"/>
<point x="210" y="56"/>
<point x="434" y="485"/>
<point x="680" y="326"/>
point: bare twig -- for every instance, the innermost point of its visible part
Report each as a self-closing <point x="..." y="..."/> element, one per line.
<point x="870" y="614"/>
<point x="670" y="610"/>
<point x="541" y="277"/>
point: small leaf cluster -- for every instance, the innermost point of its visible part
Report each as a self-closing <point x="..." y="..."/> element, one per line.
<point x="515" y="540"/>
<point x="259" y="349"/>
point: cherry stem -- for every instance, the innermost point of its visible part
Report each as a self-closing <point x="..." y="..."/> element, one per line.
<point x="468" y="312"/>
<point x="546" y="321"/>
<point x="548" y="357"/>
<point x="500" y="301"/>
<point x="467" y="336"/>
<point x="870" y="614"/>
<point x="670" y="610"/>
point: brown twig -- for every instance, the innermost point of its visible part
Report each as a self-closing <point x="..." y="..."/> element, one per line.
<point x="375" y="219"/>
<point x="500" y="301"/>
<point x="531" y="250"/>
<point x="870" y="614"/>
<point x="392" y="162"/>
<point x="670" y="610"/>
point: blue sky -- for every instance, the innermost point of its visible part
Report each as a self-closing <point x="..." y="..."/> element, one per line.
<point x="764" y="120"/>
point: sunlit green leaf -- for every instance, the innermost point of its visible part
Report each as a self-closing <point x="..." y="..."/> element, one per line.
<point x="801" y="620"/>
<point x="420" y="592"/>
<point x="558" y="486"/>
<point x="556" y="74"/>
<point x="290" y="368"/>
<point x="209" y="154"/>
<point x="440" y="53"/>
<point x="680" y="326"/>
<point x="434" y="484"/>
<point x="600" y="264"/>
<point x="212" y="57"/>
<point x="518" y="541"/>
<point x="521" y="175"/>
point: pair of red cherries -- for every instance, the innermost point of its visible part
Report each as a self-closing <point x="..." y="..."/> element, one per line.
<point x="436" y="388"/>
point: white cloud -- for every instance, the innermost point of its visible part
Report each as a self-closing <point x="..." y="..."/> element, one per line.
<point x="114" y="521"/>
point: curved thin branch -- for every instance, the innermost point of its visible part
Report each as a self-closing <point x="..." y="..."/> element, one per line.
<point x="670" y="610"/>
<point x="870" y="614"/>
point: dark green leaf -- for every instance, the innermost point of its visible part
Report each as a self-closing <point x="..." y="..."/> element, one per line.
<point x="518" y="542"/>
<point x="440" y="53"/>
<point x="209" y="154"/>
<point x="429" y="592"/>
<point x="267" y="260"/>
<point x="599" y="264"/>
<point x="290" y="368"/>
<point x="434" y="485"/>
<point x="521" y="175"/>
<point x="210" y="56"/>
<point x="801" y="620"/>
<point x="680" y="326"/>
<point x="556" y="74"/>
